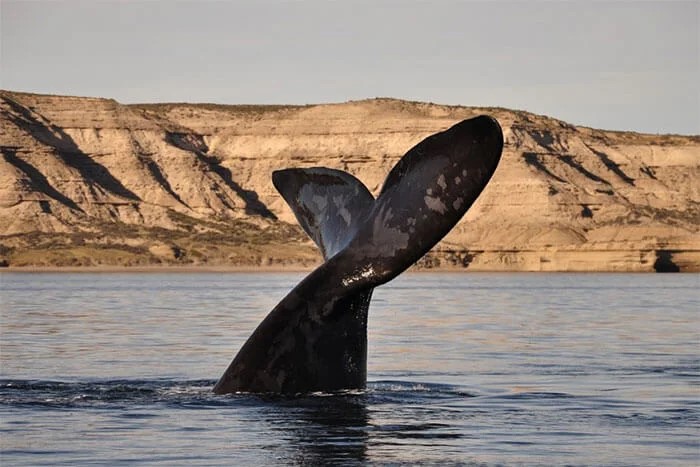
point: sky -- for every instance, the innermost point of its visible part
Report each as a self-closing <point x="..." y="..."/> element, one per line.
<point x="623" y="65"/>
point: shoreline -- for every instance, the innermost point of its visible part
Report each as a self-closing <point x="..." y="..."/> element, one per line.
<point x="154" y="269"/>
<point x="276" y="269"/>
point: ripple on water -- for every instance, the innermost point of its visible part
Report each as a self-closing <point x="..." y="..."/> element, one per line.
<point x="542" y="369"/>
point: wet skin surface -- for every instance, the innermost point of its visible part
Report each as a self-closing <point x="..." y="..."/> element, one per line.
<point x="315" y="338"/>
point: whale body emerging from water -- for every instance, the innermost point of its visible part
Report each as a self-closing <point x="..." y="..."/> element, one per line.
<point x="315" y="339"/>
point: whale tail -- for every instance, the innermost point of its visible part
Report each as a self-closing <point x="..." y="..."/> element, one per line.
<point x="315" y="338"/>
<point x="328" y="204"/>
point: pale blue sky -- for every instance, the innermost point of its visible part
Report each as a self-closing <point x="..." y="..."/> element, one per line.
<point x="614" y="65"/>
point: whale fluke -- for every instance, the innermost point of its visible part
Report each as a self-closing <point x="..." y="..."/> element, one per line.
<point x="315" y="338"/>
<point x="329" y="204"/>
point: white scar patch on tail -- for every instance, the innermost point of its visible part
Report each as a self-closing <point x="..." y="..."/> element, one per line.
<point x="441" y="181"/>
<point x="320" y="202"/>
<point x="343" y="212"/>
<point x="435" y="204"/>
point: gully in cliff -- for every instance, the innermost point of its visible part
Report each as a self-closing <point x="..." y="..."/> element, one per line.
<point x="315" y="339"/>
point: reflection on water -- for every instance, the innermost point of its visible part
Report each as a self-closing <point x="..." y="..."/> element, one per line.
<point x="463" y="368"/>
<point x="327" y="430"/>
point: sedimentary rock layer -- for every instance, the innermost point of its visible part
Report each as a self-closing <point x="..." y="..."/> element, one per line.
<point x="86" y="181"/>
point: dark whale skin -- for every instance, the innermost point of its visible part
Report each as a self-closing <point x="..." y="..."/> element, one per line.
<point x="315" y="339"/>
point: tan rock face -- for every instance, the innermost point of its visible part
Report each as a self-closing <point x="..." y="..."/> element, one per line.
<point x="91" y="181"/>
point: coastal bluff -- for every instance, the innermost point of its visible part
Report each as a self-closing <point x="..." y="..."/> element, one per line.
<point x="92" y="182"/>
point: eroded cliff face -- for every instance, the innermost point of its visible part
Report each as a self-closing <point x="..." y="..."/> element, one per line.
<point x="88" y="181"/>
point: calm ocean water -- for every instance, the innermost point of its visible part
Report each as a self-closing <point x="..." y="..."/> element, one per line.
<point x="466" y="368"/>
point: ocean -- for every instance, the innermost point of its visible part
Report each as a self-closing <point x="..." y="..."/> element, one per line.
<point x="463" y="368"/>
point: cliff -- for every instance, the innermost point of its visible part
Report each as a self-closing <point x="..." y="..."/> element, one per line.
<point x="86" y="181"/>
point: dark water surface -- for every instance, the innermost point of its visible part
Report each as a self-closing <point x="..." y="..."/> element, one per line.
<point x="525" y="369"/>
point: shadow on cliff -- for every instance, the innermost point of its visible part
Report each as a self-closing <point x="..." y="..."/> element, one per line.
<point x="664" y="262"/>
<point x="253" y="205"/>
<point x="555" y="145"/>
<point x="38" y="181"/>
<point x="157" y="174"/>
<point x="611" y="165"/>
<point x="533" y="159"/>
<point x="67" y="150"/>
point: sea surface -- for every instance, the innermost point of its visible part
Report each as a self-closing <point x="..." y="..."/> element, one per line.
<point x="463" y="368"/>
